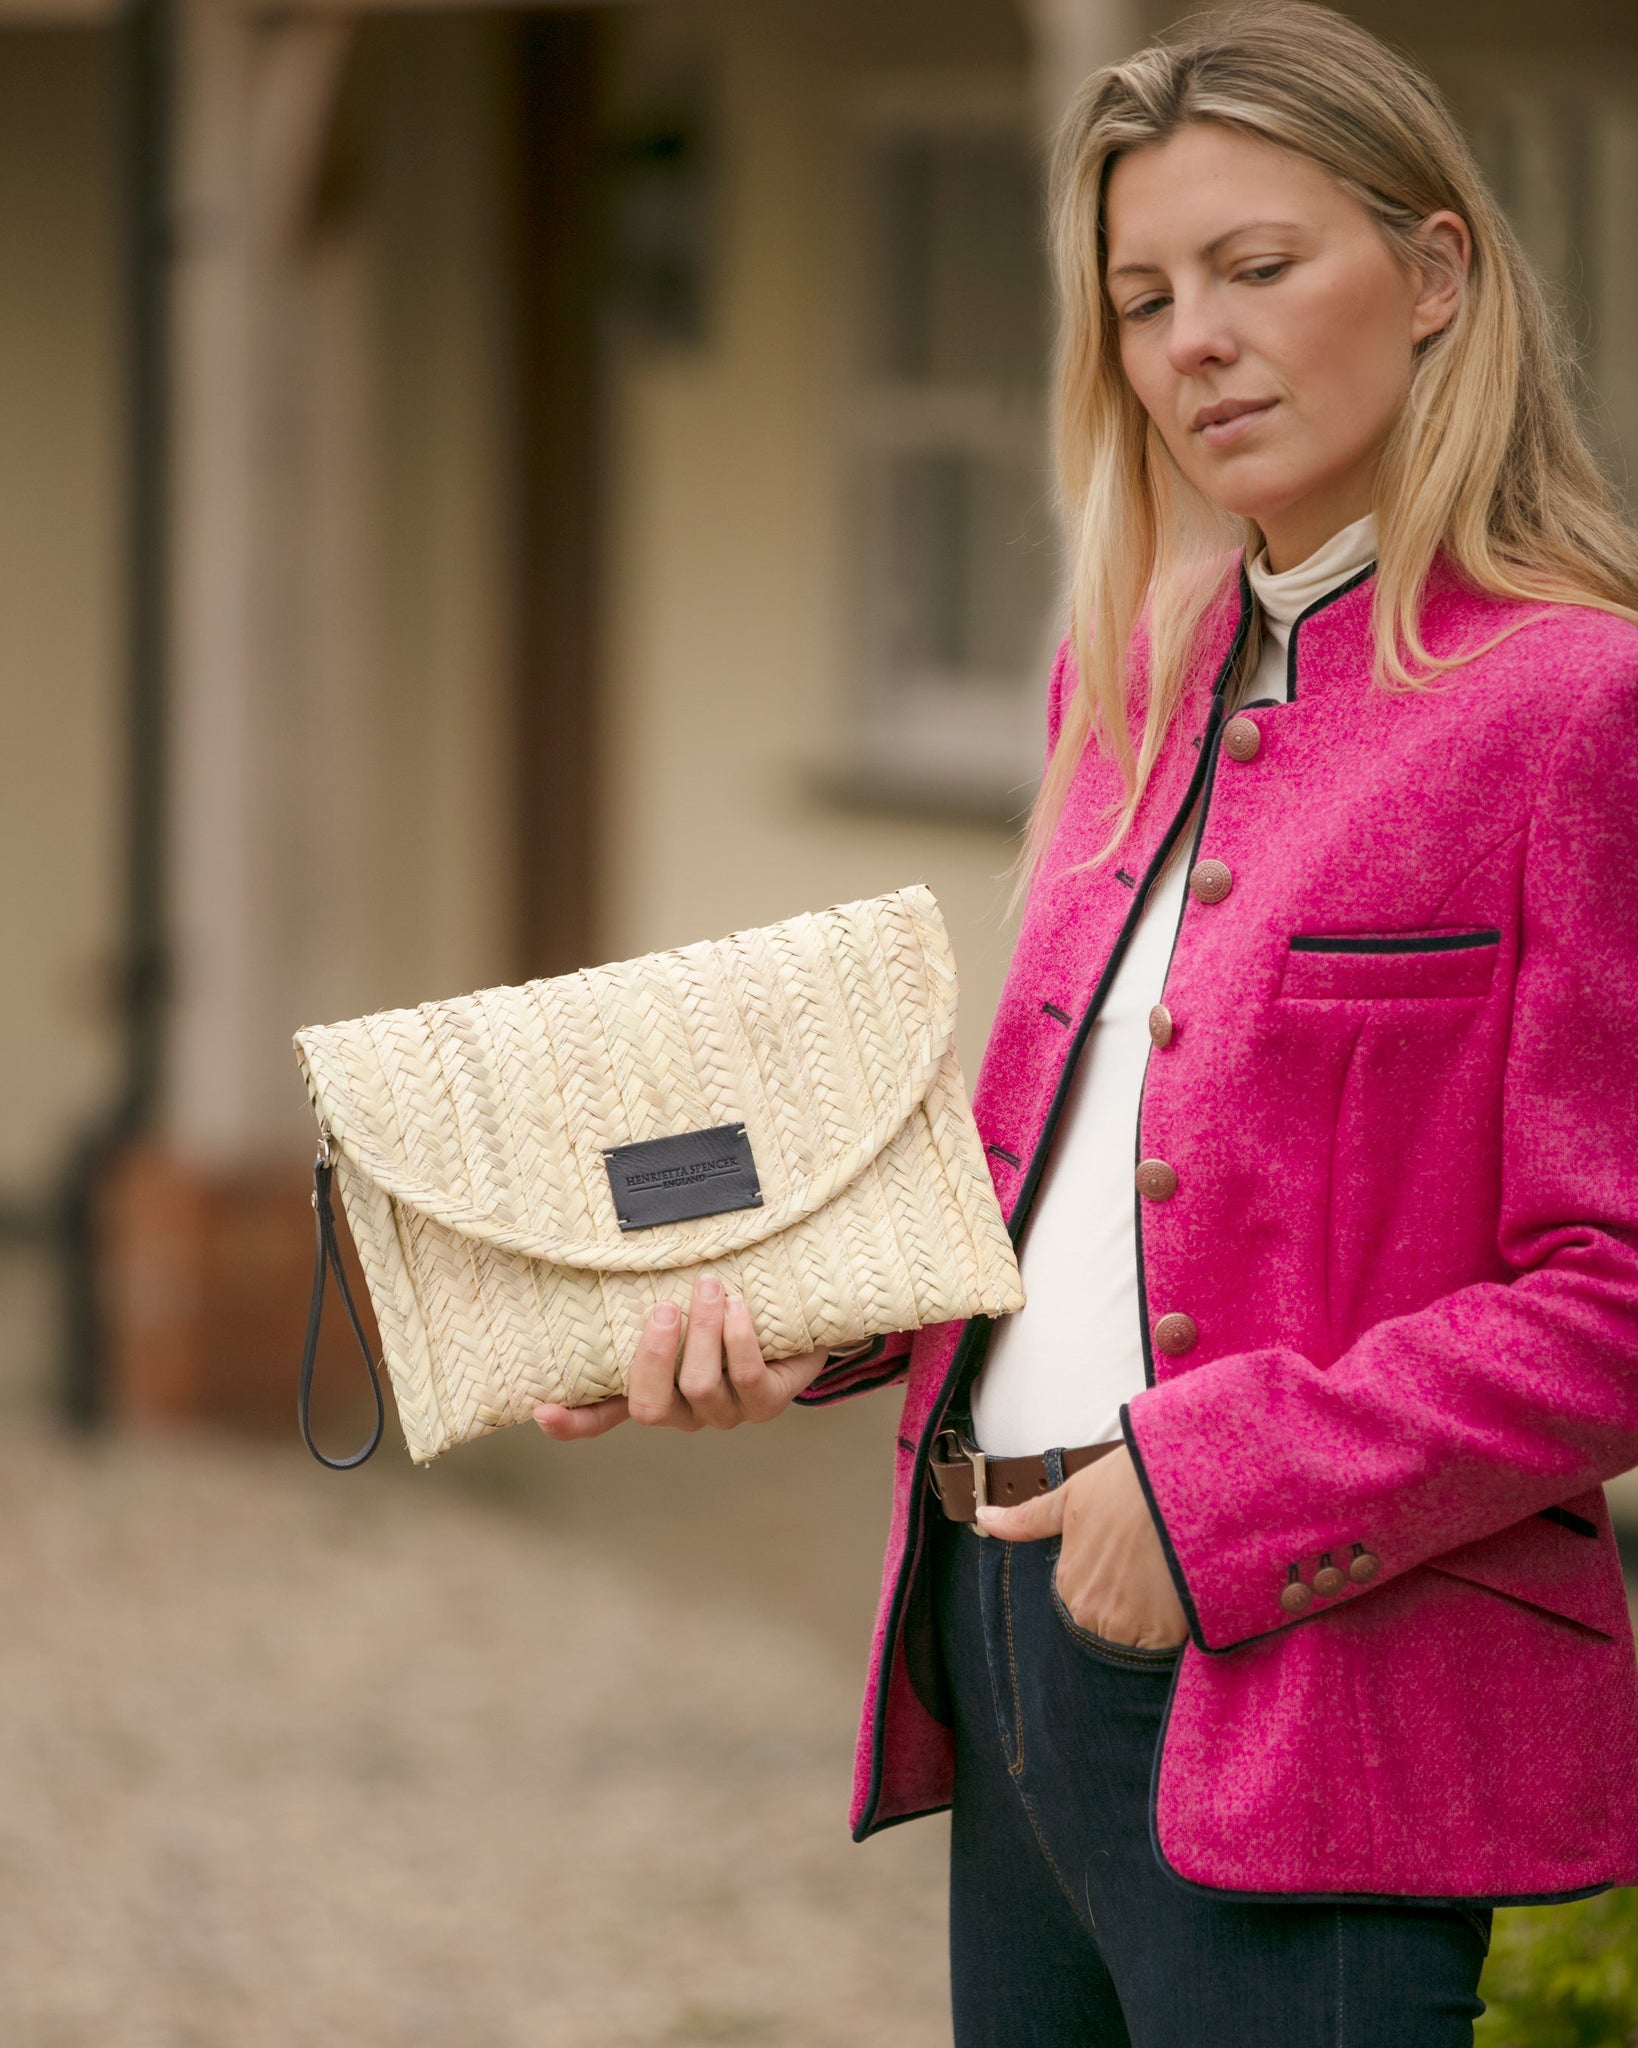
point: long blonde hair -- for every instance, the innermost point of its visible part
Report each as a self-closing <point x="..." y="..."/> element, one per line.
<point x="1487" y="463"/>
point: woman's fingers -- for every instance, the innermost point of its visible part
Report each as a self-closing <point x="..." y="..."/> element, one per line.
<point x="651" y="1385"/>
<point x="1029" y="1521"/>
<point x="793" y="1376"/>
<point x="718" y="1379"/>
<point x="574" y="1425"/>
<point x="755" y="1387"/>
<point x="700" y="1380"/>
<point x="1112" y="1574"/>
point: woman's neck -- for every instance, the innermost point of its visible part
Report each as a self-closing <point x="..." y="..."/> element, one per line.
<point x="1302" y="530"/>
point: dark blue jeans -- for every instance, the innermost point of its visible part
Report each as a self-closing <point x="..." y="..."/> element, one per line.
<point x="1064" y="1927"/>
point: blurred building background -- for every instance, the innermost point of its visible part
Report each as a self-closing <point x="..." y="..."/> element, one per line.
<point x="487" y="489"/>
<point x="484" y="489"/>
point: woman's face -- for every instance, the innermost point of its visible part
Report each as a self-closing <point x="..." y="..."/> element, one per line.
<point x="1266" y="326"/>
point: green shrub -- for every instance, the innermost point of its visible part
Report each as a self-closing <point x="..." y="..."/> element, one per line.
<point x="1563" y="1976"/>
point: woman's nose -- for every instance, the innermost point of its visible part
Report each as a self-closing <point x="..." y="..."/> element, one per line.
<point x="1197" y="336"/>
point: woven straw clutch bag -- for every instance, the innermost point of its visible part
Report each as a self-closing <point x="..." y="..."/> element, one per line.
<point x="527" y="1171"/>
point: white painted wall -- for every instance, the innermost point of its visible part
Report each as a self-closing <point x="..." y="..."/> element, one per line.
<point x="726" y="619"/>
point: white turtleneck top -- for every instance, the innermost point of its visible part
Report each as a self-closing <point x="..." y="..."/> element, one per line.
<point x="1059" y="1371"/>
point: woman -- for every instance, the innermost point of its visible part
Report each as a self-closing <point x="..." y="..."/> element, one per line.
<point x="1304" y="1641"/>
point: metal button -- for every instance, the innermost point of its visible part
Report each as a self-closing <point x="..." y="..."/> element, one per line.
<point x="1156" y="1181"/>
<point x="1160" y="1025"/>
<point x="1328" y="1581"/>
<point x="1241" y="739"/>
<point x="1363" y="1565"/>
<point x="1295" y="1597"/>
<point x="1210" y="880"/>
<point x="1177" y="1333"/>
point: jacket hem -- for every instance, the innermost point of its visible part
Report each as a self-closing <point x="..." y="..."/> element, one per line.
<point x="1249" y="1896"/>
<point x="866" y="1383"/>
<point x="848" y="1373"/>
<point x="869" y="1826"/>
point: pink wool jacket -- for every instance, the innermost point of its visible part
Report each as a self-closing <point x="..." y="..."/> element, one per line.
<point x="1400" y="1094"/>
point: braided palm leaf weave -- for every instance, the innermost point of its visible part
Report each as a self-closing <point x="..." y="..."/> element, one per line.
<point x="470" y="1136"/>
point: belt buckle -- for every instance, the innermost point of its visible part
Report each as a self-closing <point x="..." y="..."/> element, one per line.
<point x="980" y="1467"/>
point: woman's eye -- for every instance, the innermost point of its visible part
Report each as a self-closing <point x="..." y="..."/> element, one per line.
<point x="1265" y="273"/>
<point x="1145" y="309"/>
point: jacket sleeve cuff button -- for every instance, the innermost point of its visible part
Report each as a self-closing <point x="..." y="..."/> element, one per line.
<point x="1295" y="1597"/>
<point x="1328" y="1581"/>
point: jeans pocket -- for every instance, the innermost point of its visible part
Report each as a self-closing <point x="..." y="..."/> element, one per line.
<point x="1126" y="1656"/>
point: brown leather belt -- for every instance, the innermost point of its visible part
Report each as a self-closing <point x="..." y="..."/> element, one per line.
<point x="961" y="1475"/>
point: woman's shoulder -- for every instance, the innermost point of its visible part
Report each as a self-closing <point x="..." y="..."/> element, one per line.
<point x="1585" y="635"/>
<point x="1216" y="609"/>
<point x="1543" y="658"/>
<point x="1094" y="764"/>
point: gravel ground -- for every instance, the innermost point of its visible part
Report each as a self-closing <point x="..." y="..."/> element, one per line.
<point x="294" y="1763"/>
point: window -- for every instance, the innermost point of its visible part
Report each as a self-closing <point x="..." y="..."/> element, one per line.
<point x="954" y="552"/>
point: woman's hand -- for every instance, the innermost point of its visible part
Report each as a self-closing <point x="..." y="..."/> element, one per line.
<point x="698" y="1393"/>
<point x="1112" y="1573"/>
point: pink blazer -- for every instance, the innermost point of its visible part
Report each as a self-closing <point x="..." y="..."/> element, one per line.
<point x="1392" y="1308"/>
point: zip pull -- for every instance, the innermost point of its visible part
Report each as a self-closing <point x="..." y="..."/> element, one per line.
<point x="327" y="1254"/>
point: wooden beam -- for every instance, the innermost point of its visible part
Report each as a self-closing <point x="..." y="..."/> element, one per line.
<point x="561" y="260"/>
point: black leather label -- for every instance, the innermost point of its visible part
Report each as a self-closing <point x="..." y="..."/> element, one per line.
<point x="670" y="1180"/>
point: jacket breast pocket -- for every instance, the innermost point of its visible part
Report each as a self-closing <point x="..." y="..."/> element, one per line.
<point x="1384" y="966"/>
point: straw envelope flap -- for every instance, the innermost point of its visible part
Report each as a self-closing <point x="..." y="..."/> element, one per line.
<point x="806" y="1072"/>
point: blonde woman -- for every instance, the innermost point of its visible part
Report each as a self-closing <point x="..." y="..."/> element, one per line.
<point x="1251" y="1595"/>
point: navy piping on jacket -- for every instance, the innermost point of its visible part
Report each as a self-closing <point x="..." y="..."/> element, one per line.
<point x="1137" y="1134"/>
<point x="1395" y="942"/>
<point x="974" y="1339"/>
<point x="1184" y="1596"/>
<point x="1319" y="943"/>
<point x="1327" y="597"/>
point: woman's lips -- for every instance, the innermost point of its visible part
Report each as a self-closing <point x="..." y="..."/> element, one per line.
<point x="1224" y="432"/>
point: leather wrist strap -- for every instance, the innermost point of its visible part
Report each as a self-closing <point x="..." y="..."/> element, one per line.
<point x="959" y="1471"/>
<point x="327" y="1254"/>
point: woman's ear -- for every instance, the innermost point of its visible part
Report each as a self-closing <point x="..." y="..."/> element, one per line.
<point x="1444" y="250"/>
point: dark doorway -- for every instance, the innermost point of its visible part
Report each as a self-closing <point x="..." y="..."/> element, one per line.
<point x="560" y="275"/>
